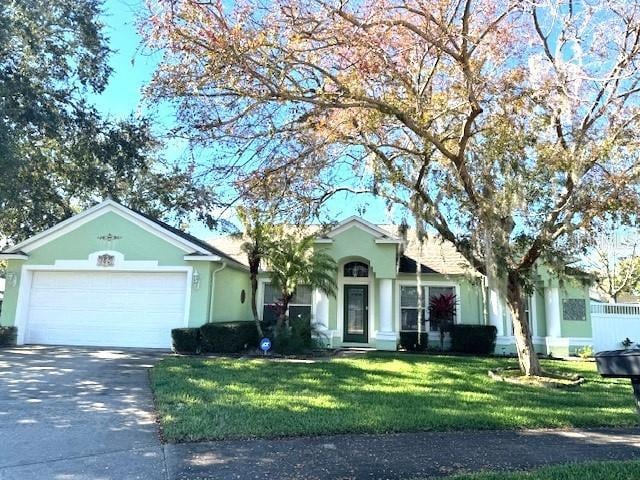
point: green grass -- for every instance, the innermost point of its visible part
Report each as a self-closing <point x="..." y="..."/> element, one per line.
<point x="585" y="471"/>
<point x="200" y="399"/>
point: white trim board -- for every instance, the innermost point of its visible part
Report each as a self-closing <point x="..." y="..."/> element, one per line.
<point x="108" y="206"/>
<point x="362" y="224"/>
<point x="13" y="256"/>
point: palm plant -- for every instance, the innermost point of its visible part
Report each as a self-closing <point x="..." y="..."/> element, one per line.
<point x="294" y="262"/>
<point x="259" y="236"/>
<point x="442" y="310"/>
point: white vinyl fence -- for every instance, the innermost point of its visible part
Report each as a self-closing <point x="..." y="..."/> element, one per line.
<point x="614" y="322"/>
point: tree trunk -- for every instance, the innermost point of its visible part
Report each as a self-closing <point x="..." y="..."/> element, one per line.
<point x="527" y="357"/>
<point x="282" y="316"/>
<point x="254" y="303"/>
<point x="254" y="268"/>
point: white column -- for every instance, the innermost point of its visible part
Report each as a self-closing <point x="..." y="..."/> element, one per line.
<point x="496" y="309"/>
<point x="386" y="305"/>
<point x="552" y="311"/>
<point x="386" y="338"/>
<point x="321" y="310"/>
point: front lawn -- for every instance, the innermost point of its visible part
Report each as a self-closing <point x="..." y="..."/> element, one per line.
<point x="587" y="471"/>
<point x="200" y="399"/>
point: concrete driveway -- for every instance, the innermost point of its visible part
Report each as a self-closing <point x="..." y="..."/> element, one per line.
<point x="78" y="413"/>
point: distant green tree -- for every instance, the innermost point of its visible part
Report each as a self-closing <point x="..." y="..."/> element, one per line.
<point x="57" y="155"/>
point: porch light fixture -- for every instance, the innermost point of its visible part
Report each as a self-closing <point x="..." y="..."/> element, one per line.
<point x="196" y="280"/>
<point x="12" y="278"/>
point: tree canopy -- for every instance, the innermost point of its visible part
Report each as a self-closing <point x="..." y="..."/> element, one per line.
<point x="57" y="153"/>
<point x="509" y="127"/>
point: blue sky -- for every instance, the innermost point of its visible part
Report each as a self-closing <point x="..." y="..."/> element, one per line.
<point x="132" y="70"/>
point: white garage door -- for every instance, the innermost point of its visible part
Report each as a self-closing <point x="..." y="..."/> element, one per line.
<point x="121" y="309"/>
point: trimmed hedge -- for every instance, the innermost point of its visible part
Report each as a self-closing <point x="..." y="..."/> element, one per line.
<point x="409" y="341"/>
<point x="8" y="336"/>
<point x="232" y="337"/>
<point x="186" y="340"/>
<point x="476" y="339"/>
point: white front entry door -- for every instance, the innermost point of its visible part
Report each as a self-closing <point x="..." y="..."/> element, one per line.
<point x="97" y="308"/>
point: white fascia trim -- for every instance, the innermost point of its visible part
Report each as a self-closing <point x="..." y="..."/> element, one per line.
<point x="388" y="240"/>
<point x="216" y="258"/>
<point x="96" y="211"/>
<point x="13" y="256"/>
<point x="202" y="258"/>
<point x="323" y="240"/>
<point x="360" y="223"/>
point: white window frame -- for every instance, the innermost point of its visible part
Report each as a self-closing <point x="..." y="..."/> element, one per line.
<point x="260" y="300"/>
<point x="533" y="321"/>
<point x="425" y="283"/>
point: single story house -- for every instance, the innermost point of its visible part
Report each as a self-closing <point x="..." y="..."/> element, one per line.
<point x="111" y="276"/>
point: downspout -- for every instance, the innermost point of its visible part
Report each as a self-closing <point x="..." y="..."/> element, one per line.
<point x="213" y="289"/>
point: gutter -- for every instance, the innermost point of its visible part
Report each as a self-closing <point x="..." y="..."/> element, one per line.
<point x="213" y="289"/>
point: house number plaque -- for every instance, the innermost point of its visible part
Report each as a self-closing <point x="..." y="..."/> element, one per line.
<point x="105" y="260"/>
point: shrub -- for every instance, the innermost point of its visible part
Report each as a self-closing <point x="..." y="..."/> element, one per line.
<point x="409" y="341"/>
<point x="8" y="336"/>
<point x="295" y="339"/>
<point x="232" y="337"/>
<point x="186" y="340"/>
<point x="585" y="352"/>
<point x="478" y="339"/>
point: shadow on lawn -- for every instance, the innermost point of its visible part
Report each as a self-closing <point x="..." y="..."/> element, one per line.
<point x="213" y="399"/>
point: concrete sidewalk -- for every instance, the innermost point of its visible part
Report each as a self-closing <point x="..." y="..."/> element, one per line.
<point x="397" y="456"/>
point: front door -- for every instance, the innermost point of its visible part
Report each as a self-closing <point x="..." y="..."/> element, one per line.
<point x="356" y="313"/>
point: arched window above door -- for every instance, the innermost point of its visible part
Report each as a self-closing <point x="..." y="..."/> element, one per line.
<point x="356" y="269"/>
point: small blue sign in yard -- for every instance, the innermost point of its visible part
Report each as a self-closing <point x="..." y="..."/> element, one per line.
<point x="265" y="345"/>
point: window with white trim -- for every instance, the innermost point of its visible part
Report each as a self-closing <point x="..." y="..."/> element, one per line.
<point x="527" y="313"/>
<point x="299" y="306"/>
<point x="409" y="305"/>
<point x="356" y="269"/>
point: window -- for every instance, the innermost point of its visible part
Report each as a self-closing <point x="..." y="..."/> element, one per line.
<point x="409" y="305"/>
<point x="527" y="313"/>
<point x="574" y="309"/>
<point x="356" y="269"/>
<point x="299" y="306"/>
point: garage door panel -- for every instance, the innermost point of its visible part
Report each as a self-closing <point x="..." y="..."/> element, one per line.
<point x="126" y="309"/>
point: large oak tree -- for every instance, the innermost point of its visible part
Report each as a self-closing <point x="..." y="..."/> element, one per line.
<point x="57" y="153"/>
<point x="508" y="126"/>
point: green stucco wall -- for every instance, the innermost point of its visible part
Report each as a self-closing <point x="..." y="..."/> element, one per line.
<point x="135" y="244"/>
<point x="8" y="312"/>
<point x="575" y="328"/>
<point x="355" y="243"/>
<point x="227" y="304"/>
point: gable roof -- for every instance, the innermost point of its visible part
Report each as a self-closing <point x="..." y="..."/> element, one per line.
<point x="188" y="243"/>
<point x="353" y="221"/>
